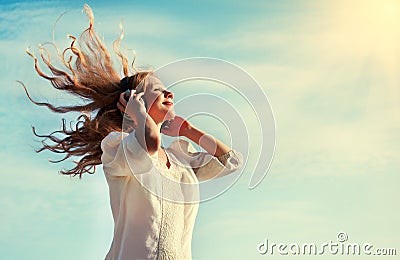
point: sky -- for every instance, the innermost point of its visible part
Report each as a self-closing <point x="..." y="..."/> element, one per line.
<point x="329" y="70"/>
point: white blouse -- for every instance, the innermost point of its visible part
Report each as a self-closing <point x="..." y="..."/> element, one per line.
<point x="154" y="207"/>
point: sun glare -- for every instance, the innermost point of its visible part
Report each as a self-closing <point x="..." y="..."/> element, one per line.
<point x="370" y="21"/>
<point x="371" y="29"/>
<point x="391" y="9"/>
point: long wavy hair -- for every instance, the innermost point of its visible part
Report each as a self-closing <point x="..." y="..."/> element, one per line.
<point x="88" y="74"/>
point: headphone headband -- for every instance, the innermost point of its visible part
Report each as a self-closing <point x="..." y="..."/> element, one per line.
<point x="126" y="83"/>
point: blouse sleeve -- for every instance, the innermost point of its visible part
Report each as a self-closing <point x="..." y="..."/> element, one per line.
<point x="205" y="165"/>
<point x="123" y="155"/>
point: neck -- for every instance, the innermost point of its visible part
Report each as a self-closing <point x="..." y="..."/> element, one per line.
<point x="159" y="126"/>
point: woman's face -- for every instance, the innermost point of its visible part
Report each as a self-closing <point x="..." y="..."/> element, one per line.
<point x="158" y="100"/>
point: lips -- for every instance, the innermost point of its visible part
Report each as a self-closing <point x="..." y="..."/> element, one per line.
<point x="168" y="103"/>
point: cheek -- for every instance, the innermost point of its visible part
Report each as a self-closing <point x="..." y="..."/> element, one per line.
<point x="151" y="99"/>
<point x="158" y="100"/>
<point x="154" y="101"/>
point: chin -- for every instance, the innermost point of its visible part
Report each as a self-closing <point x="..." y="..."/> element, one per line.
<point x="170" y="114"/>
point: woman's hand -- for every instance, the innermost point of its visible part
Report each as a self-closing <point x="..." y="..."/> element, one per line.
<point x="136" y="109"/>
<point x="146" y="131"/>
<point x="178" y="126"/>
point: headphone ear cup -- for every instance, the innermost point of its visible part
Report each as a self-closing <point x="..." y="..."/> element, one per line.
<point x="127" y="95"/>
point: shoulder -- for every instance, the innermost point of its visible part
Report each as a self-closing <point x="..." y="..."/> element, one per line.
<point x="122" y="153"/>
<point x="113" y="139"/>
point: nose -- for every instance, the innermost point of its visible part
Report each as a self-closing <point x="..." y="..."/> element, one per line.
<point x="168" y="94"/>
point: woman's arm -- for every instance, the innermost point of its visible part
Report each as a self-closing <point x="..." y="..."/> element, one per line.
<point x="208" y="142"/>
<point x="147" y="134"/>
<point x="218" y="161"/>
<point x="181" y="127"/>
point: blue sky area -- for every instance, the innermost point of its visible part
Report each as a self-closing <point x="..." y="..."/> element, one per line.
<point x="329" y="69"/>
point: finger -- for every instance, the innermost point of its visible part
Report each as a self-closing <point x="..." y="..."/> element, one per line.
<point x="164" y="131"/>
<point x="122" y="99"/>
<point x="132" y="93"/>
<point x="139" y="95"/>
<point x="120" y="107"/>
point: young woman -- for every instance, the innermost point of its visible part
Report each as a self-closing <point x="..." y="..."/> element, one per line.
<point x="153" y="190"/>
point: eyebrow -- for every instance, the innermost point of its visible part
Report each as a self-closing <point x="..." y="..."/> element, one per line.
<point x="159" y="87"/>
